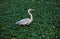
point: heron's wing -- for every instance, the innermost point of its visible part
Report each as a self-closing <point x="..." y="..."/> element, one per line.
<point x="23" y="21"/>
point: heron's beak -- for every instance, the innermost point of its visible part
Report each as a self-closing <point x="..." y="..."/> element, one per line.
<point x="32" y="9"/>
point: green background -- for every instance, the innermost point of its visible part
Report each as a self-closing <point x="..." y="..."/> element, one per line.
<point x="46" y="23"/>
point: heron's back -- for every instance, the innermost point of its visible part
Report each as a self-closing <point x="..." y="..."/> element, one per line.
<point x="23" y="21"/>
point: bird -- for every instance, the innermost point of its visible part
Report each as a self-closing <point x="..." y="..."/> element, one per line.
<point x="26" y="21"/>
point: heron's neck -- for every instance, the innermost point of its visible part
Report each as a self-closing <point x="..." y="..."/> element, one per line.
<point x="31" y="17"/>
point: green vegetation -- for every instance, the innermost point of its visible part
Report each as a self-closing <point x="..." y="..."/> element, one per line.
<point x="46" y="23"/>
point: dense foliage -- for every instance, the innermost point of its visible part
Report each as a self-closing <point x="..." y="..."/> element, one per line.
<point x="46" y="21"/>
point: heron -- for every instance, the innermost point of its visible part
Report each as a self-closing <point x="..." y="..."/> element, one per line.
<point x="26" y="21"/>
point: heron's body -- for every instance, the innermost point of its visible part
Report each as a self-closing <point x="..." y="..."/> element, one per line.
<point x="26" y="21"/>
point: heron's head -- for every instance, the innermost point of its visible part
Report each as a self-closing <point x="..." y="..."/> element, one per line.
<point x="30" y="10"/>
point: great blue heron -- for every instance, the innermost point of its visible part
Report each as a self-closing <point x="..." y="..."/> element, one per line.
<point x="26" y="21"/>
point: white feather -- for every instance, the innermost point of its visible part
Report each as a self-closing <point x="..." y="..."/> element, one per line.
<point x="26" y="21"/>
